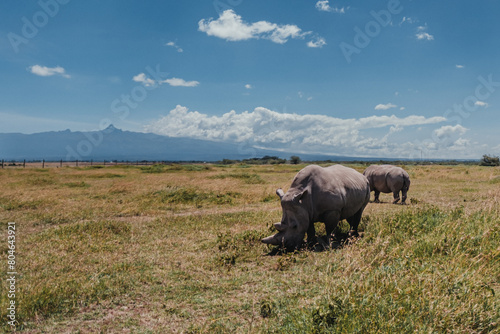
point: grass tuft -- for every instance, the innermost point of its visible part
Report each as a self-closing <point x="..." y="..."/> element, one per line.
<point x="246" y="177"/>
<point x="185" y="195"/>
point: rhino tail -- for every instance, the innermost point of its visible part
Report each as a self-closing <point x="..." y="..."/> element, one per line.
<point x="407" y="182"/>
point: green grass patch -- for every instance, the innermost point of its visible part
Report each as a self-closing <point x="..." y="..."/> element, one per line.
<point x="80" y="184"/>
<point x="11" y="204"/>
<point x="105" y="176"/>
<point x="495" y="180"/>
<point x="245" y="177"/>
<point x="189" y="195"/>
<point x="72" y="266"/>
<point x="161" y="168"/>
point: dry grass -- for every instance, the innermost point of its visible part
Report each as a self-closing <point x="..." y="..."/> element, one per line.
<point x="177" y="250"/>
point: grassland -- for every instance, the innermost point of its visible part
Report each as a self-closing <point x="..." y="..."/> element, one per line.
<point x="176" y="249"/>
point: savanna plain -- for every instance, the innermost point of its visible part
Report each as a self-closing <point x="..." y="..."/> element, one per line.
<point x="176" y="249"/>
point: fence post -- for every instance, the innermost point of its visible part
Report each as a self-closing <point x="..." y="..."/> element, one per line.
<point x="60" y="164"/>
<point x="43" y="163"/>
<point x="24" y="163"/>
<point x="2" y="163"/>
<point x="104" y="163"/>
<point x="91" y="162"/>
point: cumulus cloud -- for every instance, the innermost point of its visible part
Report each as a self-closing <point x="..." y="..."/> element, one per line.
<point x="324" y="6"/>
<point x="181" y="82"/>
<point x="248" y="86"/>
<point x="449" y="130"/>
<point x="142" y="78"/>
<point x="231" y="27"/>
<point x="459" y="66"/>
<point x="385" y="106"/>
<point x="267" y="128"/>
<point x="44" y="71"/>
<point x="317" y="42"/>
<point x="481" y="104"/>
<point x="174" y="45"/>
<point x="423" y="35"/>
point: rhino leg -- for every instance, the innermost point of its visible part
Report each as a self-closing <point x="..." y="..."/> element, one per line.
<point x="331" y="222"/>
<point x="377" y="194"/>
<point x="354" y="222"/>
<point x="396" y="197"/>
<point x="404" y="192"/>
<point x="311" y="235"/>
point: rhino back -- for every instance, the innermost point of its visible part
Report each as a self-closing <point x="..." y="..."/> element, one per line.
<point x="386" y="178"/>
<point x="334" y="188"/>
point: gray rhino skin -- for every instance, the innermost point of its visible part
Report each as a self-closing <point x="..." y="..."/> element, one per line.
<point x="388" y="179"/>
<point x="328" y="195"/>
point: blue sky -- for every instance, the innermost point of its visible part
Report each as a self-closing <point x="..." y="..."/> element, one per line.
<point x="405" y="79"/>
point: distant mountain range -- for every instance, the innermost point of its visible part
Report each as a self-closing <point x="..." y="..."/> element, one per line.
<point x="113" y="144"/>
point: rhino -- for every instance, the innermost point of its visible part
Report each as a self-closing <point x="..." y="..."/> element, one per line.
<point x="319" y="194"/>
<point x="388" y="179"/>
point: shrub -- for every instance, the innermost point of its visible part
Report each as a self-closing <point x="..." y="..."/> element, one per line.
<point x="489" y="161"/>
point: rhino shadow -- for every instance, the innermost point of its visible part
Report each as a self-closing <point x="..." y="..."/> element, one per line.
<point x="339" y="241"/>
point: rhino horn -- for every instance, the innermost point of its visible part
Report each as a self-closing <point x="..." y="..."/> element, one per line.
<point x="280" y="227"/>
<point x="280" y="193"/>
<point x="272" y="240"/>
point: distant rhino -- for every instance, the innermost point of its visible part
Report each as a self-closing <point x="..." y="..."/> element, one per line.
<point x="388" y="179"/>
<point x="328" y="195"/>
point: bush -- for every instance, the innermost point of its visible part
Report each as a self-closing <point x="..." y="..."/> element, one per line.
<point x="489" y="161"/>
<point x="295" y="160"/>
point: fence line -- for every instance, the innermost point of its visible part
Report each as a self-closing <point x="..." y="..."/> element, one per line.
<point x="76" y="163"/>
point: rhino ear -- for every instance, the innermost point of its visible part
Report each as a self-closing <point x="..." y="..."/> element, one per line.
<point x="280" y="193"/>
<point x="299" y="196"/>
<point x="280" y="227"/>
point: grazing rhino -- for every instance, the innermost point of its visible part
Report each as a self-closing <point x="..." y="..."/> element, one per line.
<point x="328" y="195"/>
<point x="388" y="179"/>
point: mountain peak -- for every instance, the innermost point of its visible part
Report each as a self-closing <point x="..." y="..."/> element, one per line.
<point x="111" y="128"/>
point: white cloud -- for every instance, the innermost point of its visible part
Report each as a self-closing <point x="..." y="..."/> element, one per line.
<point x="318" y="42"/>
<point x="172" y="44"/>
<point x="248" y="86"/>
<point x="181" y="82"/>
<point x="481" y="104"/>
<point x="459" y="66"/>
<point x="231" y="27"/>
<point x="449" y="130"/>
<point x="141" y="77"/>
<point x="266" y="128"/>
<point x="44" y="71"/>
<point x="422" y="34"/>
<point x="324" y="6"/>
<point x="385" y="106"/>
<point x="407" y="19"/>
<point x="460" y="144"/>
